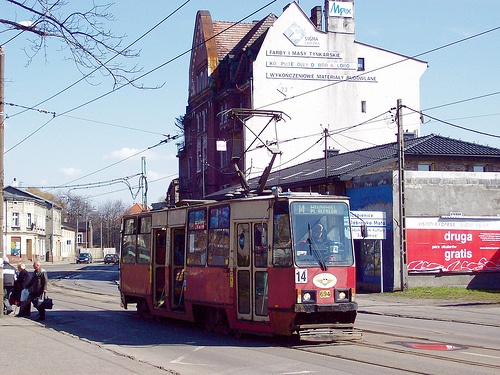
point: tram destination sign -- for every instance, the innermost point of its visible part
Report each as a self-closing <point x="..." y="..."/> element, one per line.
<point x="319" y="208"/>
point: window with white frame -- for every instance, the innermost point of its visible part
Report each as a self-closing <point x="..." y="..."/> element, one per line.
<point x="479" y="168"/>
<point x="223" y="117"/>
<point x="204" y="120"/>
<point x="361" y="63"/>
<point x="28" y="220"/>
<point x="363" y="106"/>
<point x="15" y="219"/>
<point x="424" y="167"/>
<point x="198" y="154"/>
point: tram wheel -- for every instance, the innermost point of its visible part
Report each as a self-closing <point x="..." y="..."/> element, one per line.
<point x="221" y="323"/>
<point x="210" y="319"/>
<point x="142" y="308"/>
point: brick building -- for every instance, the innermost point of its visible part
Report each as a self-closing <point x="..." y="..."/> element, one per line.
<point x="271" y="87"/>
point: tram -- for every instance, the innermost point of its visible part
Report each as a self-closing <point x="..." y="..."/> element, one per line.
<point x="276" y="264"/>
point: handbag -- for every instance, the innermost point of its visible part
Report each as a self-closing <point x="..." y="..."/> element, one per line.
<point x="24" y="295"/>
<point x="44" y="302"/>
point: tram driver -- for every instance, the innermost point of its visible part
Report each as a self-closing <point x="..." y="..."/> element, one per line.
<point x="316" y="240"/>
<point x="315" y="237"/>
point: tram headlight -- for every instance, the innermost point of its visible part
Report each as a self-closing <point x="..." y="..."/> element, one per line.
<point x="342" y="295"/>
<point x="306" y="296"/>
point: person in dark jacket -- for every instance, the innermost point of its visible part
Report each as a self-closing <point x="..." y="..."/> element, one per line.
<point x="37" y="286"/>
<point x="9" y="277"/>
<point x="23" y="277"/>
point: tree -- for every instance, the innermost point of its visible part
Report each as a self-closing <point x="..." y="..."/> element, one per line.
<point x="43" y="194"/>
<point x="105" y="217"/>
<point x="109" y="214"/>
<point x="92" y="47"/>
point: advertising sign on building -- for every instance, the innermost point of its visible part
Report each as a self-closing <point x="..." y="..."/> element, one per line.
<point x="450" y="244"/>
<point x="340" y="9"/>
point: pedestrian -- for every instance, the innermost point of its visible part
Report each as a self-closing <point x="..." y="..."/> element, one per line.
<point x="23" y="277"/>
<point x="37" y="286"/>
<point x="9" y="277"/>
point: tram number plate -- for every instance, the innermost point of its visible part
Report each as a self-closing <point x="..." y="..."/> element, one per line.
<point x="301" y="276"/>
<point x="325" y="294"/>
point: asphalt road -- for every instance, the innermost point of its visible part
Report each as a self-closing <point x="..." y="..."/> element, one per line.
<point x="423" y="337"/>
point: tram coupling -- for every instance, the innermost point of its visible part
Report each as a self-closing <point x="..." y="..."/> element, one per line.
<point x="328" y="334"/>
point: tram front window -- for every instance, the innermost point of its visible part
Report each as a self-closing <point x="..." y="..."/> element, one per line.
<point x="321" y="234"/>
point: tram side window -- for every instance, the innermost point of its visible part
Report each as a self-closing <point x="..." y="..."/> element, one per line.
<point x="282" y="244"/>
<point x="243" y="244"/>
<point x="197" y="238"/>
<point x="129" y="243"/>
<point x="260" y="245"/>
<point x="218" y="236"/>
<point x="144" y="240"/>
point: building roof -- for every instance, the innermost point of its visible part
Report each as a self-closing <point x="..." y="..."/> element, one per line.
<point x="234" y="37"/>
<point x="346" y="165"/>
<point x="136" y="208"/>
<point x="12" y="193"/>
<point x="228" y="35"/>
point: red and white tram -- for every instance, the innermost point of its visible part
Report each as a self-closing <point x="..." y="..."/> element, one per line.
<point x="281" y="264"/>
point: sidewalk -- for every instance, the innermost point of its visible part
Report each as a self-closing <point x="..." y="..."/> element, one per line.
<point x="31" y="347"/>
<point x="444" y="310"/>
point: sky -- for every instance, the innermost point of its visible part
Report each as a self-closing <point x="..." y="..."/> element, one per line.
<point x="90" y="135"/>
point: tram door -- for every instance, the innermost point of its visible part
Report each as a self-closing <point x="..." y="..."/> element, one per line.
<point x="160" y="251"/>
<point x="177" y="271"/>
<point x="251" y="271"/>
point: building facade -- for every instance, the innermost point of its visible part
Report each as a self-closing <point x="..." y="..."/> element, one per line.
<point x="32" y="228"/>
<point x="451" y="210"/>
<point x="276" y="86"/>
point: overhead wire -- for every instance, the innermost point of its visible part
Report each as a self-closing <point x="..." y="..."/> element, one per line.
<point x="462" y="101"/>
<point x="122" y="160"/>
<point x="454" y="125"/>
<point x="140" y="77"/>
<point x="168" y="61"/>
<point x="295" y="96"/>
<point x="110" y="59"/>
<point x="382" y="67"/>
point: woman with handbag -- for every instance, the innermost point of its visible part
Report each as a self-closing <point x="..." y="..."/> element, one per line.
<point x="37" y="286"/>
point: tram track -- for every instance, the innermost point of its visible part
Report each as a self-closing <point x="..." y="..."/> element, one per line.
<point x="76" y="296"/>
<point x="378" y="348"/>
<point x="341" y="351"/>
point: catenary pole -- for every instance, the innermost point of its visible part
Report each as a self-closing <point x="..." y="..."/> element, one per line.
<point x="2" y="118"/>
<point x="401" y="191"/>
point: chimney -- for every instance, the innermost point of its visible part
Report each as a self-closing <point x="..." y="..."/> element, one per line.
<point x="15" y="183"/>
<point x="332" y="152"/>
<point x="316" y="17"/>
<point x="409" y="135"/>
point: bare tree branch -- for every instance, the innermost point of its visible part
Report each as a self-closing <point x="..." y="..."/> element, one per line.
<point x="92" y="47"/>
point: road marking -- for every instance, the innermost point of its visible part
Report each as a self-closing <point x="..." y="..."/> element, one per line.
<point x="482" y="355"/>
<point x="179" y="360"/>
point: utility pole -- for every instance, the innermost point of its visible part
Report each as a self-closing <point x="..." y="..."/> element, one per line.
<point x="325" y="132"/>
<point x="401" y="191"/>
<point x="2" y="119"/>
<point x="143" y="183"/>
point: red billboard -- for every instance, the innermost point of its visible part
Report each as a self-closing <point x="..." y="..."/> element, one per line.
<point x="452" y="244"/>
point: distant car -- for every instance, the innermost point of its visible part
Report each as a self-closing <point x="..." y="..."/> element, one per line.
<point x="84" y="258"/>
<point x="111" y="258"/>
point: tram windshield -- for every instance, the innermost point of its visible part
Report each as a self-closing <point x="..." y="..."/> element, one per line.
<point x="321" y="234"/>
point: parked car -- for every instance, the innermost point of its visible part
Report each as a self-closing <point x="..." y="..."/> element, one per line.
<point x="84" y="258"/>
<point x="111" y="258"/>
